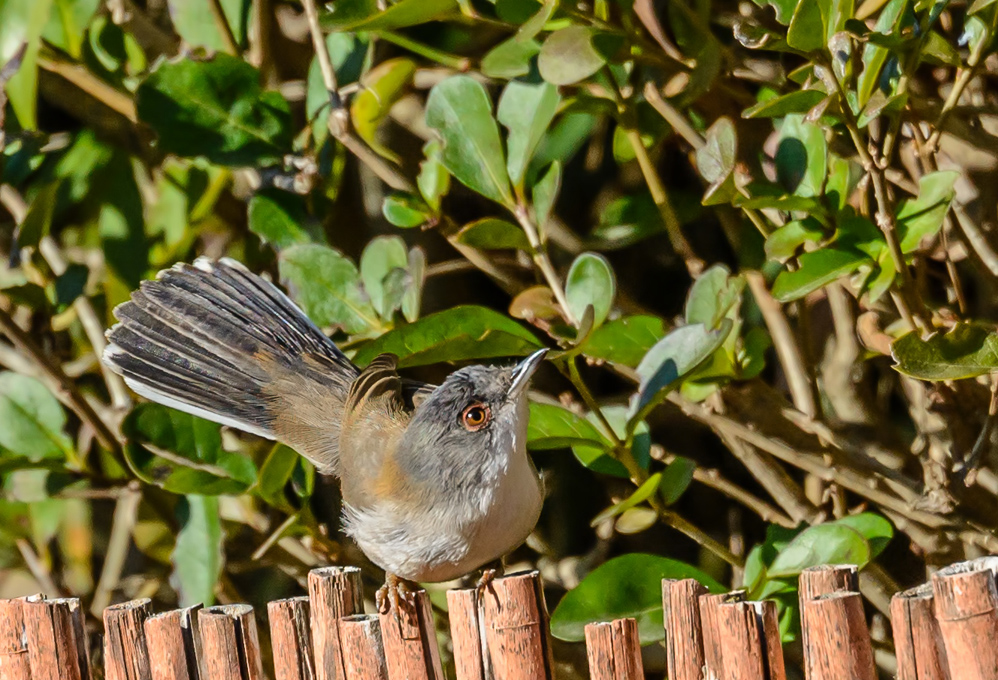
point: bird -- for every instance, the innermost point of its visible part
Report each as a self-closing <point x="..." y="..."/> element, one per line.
<point x="436" y="481"/>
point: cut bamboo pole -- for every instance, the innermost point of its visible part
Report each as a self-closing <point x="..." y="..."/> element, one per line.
<point x="516" y="628"/>
<point x="467" y="633"/>
<point x="838" y="640"/>
<point x="229" y="642"/>
<point x="57" y="640"/>
<point x="917" y="640"/>
<point x="174" y="644"/>
<point x="362" y="647"/>
<point x="126" y="656"/>
<point x="821" y="580"/>
<point x="683" y="634"/>
<point x="614" y="650"/>
<point x="334" y="592"/>
<point x="13" y="645"/>
<point x="410" y="640"/>
<point x="751" y="648"/>
<point x="966" y="606"/>
<point x="291" y="639"/>
<point x="713" y="643"/>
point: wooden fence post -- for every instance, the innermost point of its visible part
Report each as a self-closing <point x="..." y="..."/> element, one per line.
<point x="410" y="640"/>
<point x="516" y="628"/>
<point x="57" y="640"/>
<point x="917" y="640"/>
<point x="683" y="633"/>
<point x="835" y="623"/>
<point x="966" y="606"/>
<point x="363" y="648"/>
<point x="713" y="661"/>
<point x="229" y="642"/>
<point x="614" y="650"/>
<point x="126" y="656"/>
<point x="749" y="638"/>
<point x="291" y="639"/>
<point x="467" y="632"/>
<point x="334" y="592"/>
<point x="174" y="644"/>
<point x="13" y="644"/>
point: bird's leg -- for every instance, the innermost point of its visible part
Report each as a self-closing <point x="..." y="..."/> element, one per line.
<point x="490" y="572"/>
<point x="394" y="593"/>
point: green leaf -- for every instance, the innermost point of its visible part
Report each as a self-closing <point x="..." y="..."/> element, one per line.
<point x="568" y="56"/>
<point x="625" y="340"/>
<point x="33" y="420"/>
<point x="510" y="58"/>
<point x="460" y="111"/>
<point x="800" y="101"/>
<point x="326" y="284"/>
<point x="629" y="586"/>
<point x="215" y="109"/>
<point x="640" y="495"/>
<point x="716" y="161"/>
<point x="807" y="27"/>
<point x="405" y="210"/>
<point x="381" y="87"/>
<point x="783" y="243"/>
<point x="195" y="22"/>
<point x="348" y="54"/>
<point x="198" y="556"/>
<point x="183" y="453"/>
<point x="877" y="531"/>
<point x="526" y="110"/>
<point x="457" y="334"/>
<point x="590" y="281"/>
<point x="923" y="216"/>
<point x="802" y="157"/>
<point x="816" y="269"/>
<point x="275" y="473"/>
<point x="830" y="543"/>
<point x="67" y="23"/>
<point x="413" y="294"/>
<point x="280" y="219"/>
<point x="966" y="351"/>
<point x="38" y="220"/>
<point x="712" y="295"/>
<point x="433" y="180"/>
<point x="676" y="479"/>
<point x="491" y="233"/>
<point x="545" y="193"/>
<point x="674" y="357"/>
<point x="555" y="427"/>
<point x="874" y="56"/>
<point x="21" y="24"/>
<point x="382" y="256"/>
<point x="366" y="15"/>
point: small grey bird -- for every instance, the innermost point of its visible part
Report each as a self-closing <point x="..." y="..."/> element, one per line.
<point x="436" y="481"/>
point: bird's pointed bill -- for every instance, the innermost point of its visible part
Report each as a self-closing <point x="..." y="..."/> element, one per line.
<point x="523" y="370"/>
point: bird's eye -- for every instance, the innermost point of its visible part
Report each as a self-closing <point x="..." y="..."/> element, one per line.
<point x="475" y="417"/>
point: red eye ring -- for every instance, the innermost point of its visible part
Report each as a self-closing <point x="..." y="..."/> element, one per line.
<point x="475" y="417"/>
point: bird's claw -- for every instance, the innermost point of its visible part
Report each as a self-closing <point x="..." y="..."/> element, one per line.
<point x="485" y="582"/>
<point x="397" y="593"/>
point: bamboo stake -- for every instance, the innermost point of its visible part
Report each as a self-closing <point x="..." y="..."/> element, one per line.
<point x="751" y="644"/>
<point x="57" y="640"/>
<point x="683" y="633"/>
<point x="230" y="644"/>
<point x="713" y="643"/>
<point x="614" y="651"/>
<point x="965" y="606"/>
<point x="291" y="639"/>
<point x="516" y="628"/>
<point x="334" y="592"/>
<point x="126" y="656"/>
<point x="362" y="647"/>
<point x="410" y="640"/>
<point x="13" y="644"/>
<point x="917" y="640"/>
<point x="838" y="641"/>
<point x="174" y="644"/>
<point x="467" y="634"/>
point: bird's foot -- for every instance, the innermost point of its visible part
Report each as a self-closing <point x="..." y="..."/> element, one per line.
<point x="489" y="574"/>
<point x="396" y="594"/>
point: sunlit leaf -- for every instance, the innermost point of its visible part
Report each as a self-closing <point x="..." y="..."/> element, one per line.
<point x="197" y="557"/>
<point x="525" y="110"/>
<point x="369" y="15"/>
<point x="965" y="351"/>
<point x="568" y="55"/>
<point x="590" y="281"/>
<point x="556" y="427"/>
<point x="33" y="419"/>
<point x="280" y="218"/>
<point x="816" y="269"/>
<point x="625" y="340"/>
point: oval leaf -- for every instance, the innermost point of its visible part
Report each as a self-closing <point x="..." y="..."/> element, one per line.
<point x="493" y="234"/>
<point x="967" y="351"/>
<point x="568" y="56"/>
<point x="590" y="282"/>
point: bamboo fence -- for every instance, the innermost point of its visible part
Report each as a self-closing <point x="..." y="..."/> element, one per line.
<point x="944" y="630"/>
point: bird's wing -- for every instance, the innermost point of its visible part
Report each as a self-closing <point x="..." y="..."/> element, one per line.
<point x="377" y="410"/>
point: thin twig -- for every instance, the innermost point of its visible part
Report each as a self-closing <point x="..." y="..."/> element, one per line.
<point x="125" y="513"/>
<point x="674" y="118"/>
<point x="38" y="570"/>
<point x="543" y="263"/>
<point x="683" y="526"/>
<point x="82" y="78"/>
<point x="224" y="29"/>
<point x="787" y="348"/>
<point x="64" y="388"/>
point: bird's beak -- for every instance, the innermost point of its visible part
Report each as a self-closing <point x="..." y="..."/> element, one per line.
<point x="522" y="372"/>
